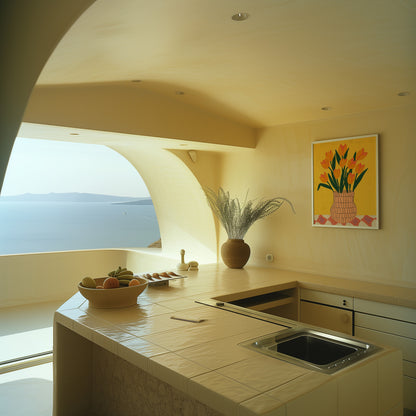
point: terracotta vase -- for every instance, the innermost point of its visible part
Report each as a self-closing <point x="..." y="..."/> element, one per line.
<point x="343" y="208"/>
<point x="235" y="253"/>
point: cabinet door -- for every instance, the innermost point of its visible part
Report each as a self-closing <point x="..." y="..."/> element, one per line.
<point x="326" y="317"/>
<point x="407" y="345"/>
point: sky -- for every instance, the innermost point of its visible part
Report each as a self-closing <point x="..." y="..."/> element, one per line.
<point x="44" y="166"/>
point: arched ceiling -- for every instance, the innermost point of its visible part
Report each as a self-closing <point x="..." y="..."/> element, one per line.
<point x="283" y="64"/>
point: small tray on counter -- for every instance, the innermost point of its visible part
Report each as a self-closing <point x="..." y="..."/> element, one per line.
<point x="160" y="278"/>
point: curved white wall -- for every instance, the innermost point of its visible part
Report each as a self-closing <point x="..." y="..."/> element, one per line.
<point x="30" y="30"/>
<point x="184" y="217"/>
<point x="43" y="277"/>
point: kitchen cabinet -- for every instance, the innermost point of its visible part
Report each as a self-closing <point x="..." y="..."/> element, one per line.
<point x="327" y="310"/>
<point x="396" y="326"/>
<point x="381" y="323"/>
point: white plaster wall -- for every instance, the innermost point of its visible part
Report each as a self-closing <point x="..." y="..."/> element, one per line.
<point x="43" y="277"/>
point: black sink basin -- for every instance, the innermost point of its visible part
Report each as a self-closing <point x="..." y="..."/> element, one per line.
<point x="316" y="350"/>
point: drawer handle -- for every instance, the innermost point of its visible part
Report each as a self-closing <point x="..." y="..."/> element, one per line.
<point x="344" y="303"/>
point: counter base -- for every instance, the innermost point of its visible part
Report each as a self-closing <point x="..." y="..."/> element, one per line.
<point x="107" y="385"/>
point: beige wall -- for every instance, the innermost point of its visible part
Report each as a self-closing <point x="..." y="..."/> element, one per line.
<point x="281" y="166"/>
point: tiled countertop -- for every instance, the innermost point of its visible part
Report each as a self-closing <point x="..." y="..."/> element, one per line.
<point x="204" y="359"/>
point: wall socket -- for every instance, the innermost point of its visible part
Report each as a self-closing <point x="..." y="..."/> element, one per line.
<point x="269" y="257"/>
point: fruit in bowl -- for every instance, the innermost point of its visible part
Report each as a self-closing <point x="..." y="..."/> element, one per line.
<point x="117" y="290"/>
<point x="111" y="283"/>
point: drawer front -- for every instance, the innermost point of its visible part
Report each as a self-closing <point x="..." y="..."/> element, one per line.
<point x="327" y="298"/>
<point x="392" y="326"/>
<point x="386" y="310"/>
<point x="326" y="317"/>
<point x="407" y="345"/>
<point x="409" y="389"/>
<point x="409" y="368"/>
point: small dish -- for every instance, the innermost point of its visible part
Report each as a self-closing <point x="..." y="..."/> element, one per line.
<point x="161" y="278"/>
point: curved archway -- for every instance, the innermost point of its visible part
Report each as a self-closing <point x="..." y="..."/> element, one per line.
<point x="185" y="219"/>
<point x="188" y="219"/>
<point x="25" y="39"/>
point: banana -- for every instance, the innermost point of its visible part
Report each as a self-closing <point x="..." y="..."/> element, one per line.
<point x="121" y="273"/>
<point x="124" y="282"/>
<point x="125" y="273"/>
<point x="125" y="277"/>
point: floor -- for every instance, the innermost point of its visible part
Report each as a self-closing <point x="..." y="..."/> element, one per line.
<point x="27" y="392"/>
<point x="26" y="384"/>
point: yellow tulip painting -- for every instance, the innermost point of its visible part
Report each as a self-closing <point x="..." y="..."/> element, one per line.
<point x="345" y="182"/>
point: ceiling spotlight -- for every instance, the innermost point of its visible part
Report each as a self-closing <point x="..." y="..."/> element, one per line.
<point x="403" y="93"/>
<point x="239" y="17"/>
<point x="326" y="108"/>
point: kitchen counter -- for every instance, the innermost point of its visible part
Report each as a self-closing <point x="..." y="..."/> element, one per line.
<point x="138" y="360"/>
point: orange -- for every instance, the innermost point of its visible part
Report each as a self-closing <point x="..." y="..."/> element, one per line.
<point x="111" y="283"/>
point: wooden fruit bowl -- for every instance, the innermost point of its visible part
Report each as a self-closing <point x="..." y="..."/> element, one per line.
<point x="120" y="297"/>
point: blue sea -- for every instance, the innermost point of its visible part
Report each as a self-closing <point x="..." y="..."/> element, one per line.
<point x="29" y="227"/>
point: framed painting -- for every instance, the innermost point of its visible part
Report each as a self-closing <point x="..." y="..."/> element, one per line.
<point x="345" y="183"/>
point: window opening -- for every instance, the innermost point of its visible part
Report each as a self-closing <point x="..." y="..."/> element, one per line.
<point x="61" y="196"/>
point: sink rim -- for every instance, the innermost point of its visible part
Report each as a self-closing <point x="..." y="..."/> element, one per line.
<point x="262" y="345"/>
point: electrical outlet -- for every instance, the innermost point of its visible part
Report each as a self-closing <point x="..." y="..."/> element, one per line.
<point x="269" y="257"/>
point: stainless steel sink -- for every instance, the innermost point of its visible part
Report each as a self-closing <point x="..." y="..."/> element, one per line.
<point x="312" y="349"/>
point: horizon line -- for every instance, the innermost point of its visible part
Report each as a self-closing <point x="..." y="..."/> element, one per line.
<point x="72" y="192"/>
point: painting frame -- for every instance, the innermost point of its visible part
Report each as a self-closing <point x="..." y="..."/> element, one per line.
<point x="345" y="183"/>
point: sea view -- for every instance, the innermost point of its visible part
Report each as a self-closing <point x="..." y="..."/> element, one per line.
<point x="39" y="226"/>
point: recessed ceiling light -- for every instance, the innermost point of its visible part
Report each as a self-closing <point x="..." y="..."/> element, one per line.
<point x="326" y="108"/>
<point x="403" y="93"/>
<point x="239" y="17"/>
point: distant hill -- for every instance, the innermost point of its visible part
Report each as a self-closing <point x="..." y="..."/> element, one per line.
<point x="75" y="197"/>
<point x="143" y="201"/>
